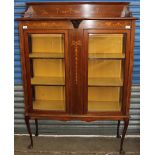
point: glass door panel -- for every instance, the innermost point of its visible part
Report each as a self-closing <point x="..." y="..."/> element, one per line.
<point x="47" y="71"/>
<point x="105" y="72"/>
<point x="106" y="43"/>
<point x="49" y="98"/>
<point x="47" y="45"/>
<point x="104" y="99"/>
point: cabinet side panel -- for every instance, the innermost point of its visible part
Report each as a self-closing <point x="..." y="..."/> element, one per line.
<point x="131" y="60"/>
<point x="23" y="64"/>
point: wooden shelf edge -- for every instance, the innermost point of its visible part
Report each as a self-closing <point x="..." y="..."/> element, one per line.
<point x="47" y="55"/>
<point x="49" y="105"/>
<point x="104" y="106"/>
<point x="48" y="81"/>
<point x="106" y="56"/>
<point x="105" y="82"/>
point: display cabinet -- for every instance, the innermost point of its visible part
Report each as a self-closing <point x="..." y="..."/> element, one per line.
<point x="77" y="60"/>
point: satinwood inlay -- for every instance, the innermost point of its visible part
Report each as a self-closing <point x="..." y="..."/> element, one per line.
<point x="76" y="44"/>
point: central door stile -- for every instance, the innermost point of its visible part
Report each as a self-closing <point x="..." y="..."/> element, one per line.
<point x="76" y="42"/>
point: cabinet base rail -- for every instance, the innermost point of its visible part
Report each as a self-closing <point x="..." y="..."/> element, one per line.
<point x="126" y="123"/>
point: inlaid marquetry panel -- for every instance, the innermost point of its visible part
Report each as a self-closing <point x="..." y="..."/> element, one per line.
<point x="54" y="24"/>
<point x="76" y="45"/>
<point x="105" y="24"/>
<point x="84" y="10"/>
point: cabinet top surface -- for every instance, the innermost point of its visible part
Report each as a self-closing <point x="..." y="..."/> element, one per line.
<point x="76" y="10"/>
<point x="66" y="3"/>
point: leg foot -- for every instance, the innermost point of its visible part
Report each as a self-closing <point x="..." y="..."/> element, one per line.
<point x="29" y="131"/>
<point x="118" y="125"/>
<point x="122" y="152"/>
<point x="126" y="123"/>
<point x="36" y="123"/>
<point x="30" y="146"/>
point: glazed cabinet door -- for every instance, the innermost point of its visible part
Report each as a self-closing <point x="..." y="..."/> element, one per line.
<point x="106" y="67"/>
<point x="47" y="65"/>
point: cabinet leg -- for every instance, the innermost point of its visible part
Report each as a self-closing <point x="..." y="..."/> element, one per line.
<point x="36" y="123"/>
<point x="29" y="131"/>
<point x="118" y="126"/>
<point x="126" y="123"/>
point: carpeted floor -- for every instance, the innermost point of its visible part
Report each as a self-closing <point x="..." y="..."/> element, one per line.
<point x="75" y="146"/>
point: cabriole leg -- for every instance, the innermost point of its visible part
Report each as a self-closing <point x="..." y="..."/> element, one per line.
<point x="118" y="126"/>
<point x="126" y="123"/>
<point x="36" y="123"/>
<point x="29" y="131"/>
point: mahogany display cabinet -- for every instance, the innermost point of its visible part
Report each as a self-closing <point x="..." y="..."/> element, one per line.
<point x="77" y="60"/>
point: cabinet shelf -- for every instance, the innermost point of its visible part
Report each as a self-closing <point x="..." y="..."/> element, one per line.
<point x="105" y="82"/>
<point x="103" y="106"/>
<point x="47" y="55"/>
<point x="106" y="55"/>
<point x="48" y="81"/>
<point x="49" y="105"/>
